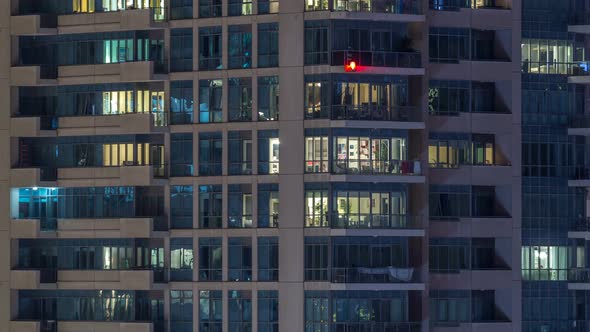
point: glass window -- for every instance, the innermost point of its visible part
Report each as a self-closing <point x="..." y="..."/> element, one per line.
<point x="210" y="262"/>
<point x="210" y="311"/>
<point x="210" y="154"/>
<point x="181" y="207"/>
<point x="317" y="311"/>
<point x="181" y="49"/>
<point x="448" y="97"/>
<point x="239" y="7"/>
<point x="316" y="152"/>
<point x="210" y="206"/>
<point x="181" y="259"/>
<point x="268" y="98"/>
<point x="209" y="8"/>
<point x="240" y="311"/>
<point x="179" y="9"/>
<point x="268" y="311"/>
<point x="316" y="41"/>
<point x="268" y="152"/>
<point x="240" y="259"/>
<point x="239" y="205"/>
<point x="316" y="258"/>
<point x="268" y="259"/>
<point x="316" y="206"/>
<point x="313" y="5"/>
<point x="210" y="94"/>
<point x="268" y="205"/>
<point x="181" y="311"/>
<point x="240" y="99"/>
<point x="240" y="152"/>
<point x="210" y="48"/>
<point x="268" y="40"/>
<point x="181" y="102"/>
<point x="240" y="46"/>
<point x="181" y="154"/>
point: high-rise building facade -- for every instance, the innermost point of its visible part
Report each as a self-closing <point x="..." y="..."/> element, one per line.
<point x="292" y="165"/>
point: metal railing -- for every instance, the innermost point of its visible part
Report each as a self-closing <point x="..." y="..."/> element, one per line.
<point x="581" y="274"/>
<point x="368" y="167"/>
<point x="385" y="274"/>
<point x="367" y="220"/>
<point x="378" y="59"/>
<point x="579" y="121"/>
<point x="379" y="6"/>
<point x="377" y="326"/>
<point x="375" y="112"/>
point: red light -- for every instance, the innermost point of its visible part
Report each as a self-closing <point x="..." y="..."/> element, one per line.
<point x="351" y="66"/>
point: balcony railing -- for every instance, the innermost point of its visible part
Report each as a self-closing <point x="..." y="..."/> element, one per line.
<point x="577" y="68"/>
<point x="366" y="220"/>
<point x="375" y="113"/>
<point x="368" y="167"/>
<point x="387" y="274"/>
<point x="377" y="326"/>
<point x="378" y="59"/>
<point x="581" y="274"/>
<point x="379" y="6"/>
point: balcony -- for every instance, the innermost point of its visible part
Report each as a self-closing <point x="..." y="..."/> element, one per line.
<point x="386" y="7"/>
<point x="43" y="24"/>
<point x="80" y="326"/>
<point x="138" y="227"/>
<point x="579" y="22"/>
<point x="369" y="116"/>
<point x="579" y="278"/>
<point x="498" y="278"/>
<point x="482" y="14"/>
<point x="33" y="279"/>
<point x="405" y="63"/>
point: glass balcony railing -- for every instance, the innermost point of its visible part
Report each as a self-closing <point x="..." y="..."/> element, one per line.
<point x="378" y="221"/>
<point x="379" y="6"/>
<point x="377" y="326"/>
<point x="386" y="274"/>
<point x="367" y="167"/>
<point x="378" y="59"/>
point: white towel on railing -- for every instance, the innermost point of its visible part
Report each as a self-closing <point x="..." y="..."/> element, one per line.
<point x="402" y="274"/>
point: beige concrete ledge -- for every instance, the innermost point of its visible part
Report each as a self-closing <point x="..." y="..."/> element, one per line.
<point x="136" y="19"/>
<point x="108" y="176"/>
<point x="582" y="29"/>
<point x="105" y="279"/>
<point x="25" y="326"/>
<point x="27" y="229"/>
<point x="105" y="327"/>
<point x="579" y="79"/>
<point x="28" y="177"/>
<point x="25" y="279"/>
<point x="28" y="127"/>
<point x="137" y="71"/>
<point x="29" y="25"/>
<point x="137" y="123"/>
<point x="105" y="228"/>
<point x="28" y="76"/>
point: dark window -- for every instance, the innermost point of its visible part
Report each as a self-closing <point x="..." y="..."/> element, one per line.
<point x="268" y="258"/>
<point x="180" y="9"/>
<point x="181" y="207"/>
<point x="181" y="154"/>
<point x="239" y="7"/>
<point x="316" y="42"/>
<point x="181" y="49"/>
<point x="239" y="205"/>
<point x="210" y="311"/>
<point x="240" y="99"/>
<point x="210" y="206"/>
<point x="268" y="44"/>
<point x="316" y="258"/>
<point x="210" y="48"/>
<point x="210" y="154"/>
<point x="181" y="311"/>
<point x="210" y="259"/>
<point x="268" y="311"/>
<point x="240" y="259"/>
<point x="209" y="8"/>
<point x="240" y="152"/>
<point x="268" y="205"/>
<point x="210" y="94"/>
<point x="240" y="311"/>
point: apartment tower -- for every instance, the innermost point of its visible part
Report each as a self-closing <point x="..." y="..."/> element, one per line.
<point x="292" y="165"/>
